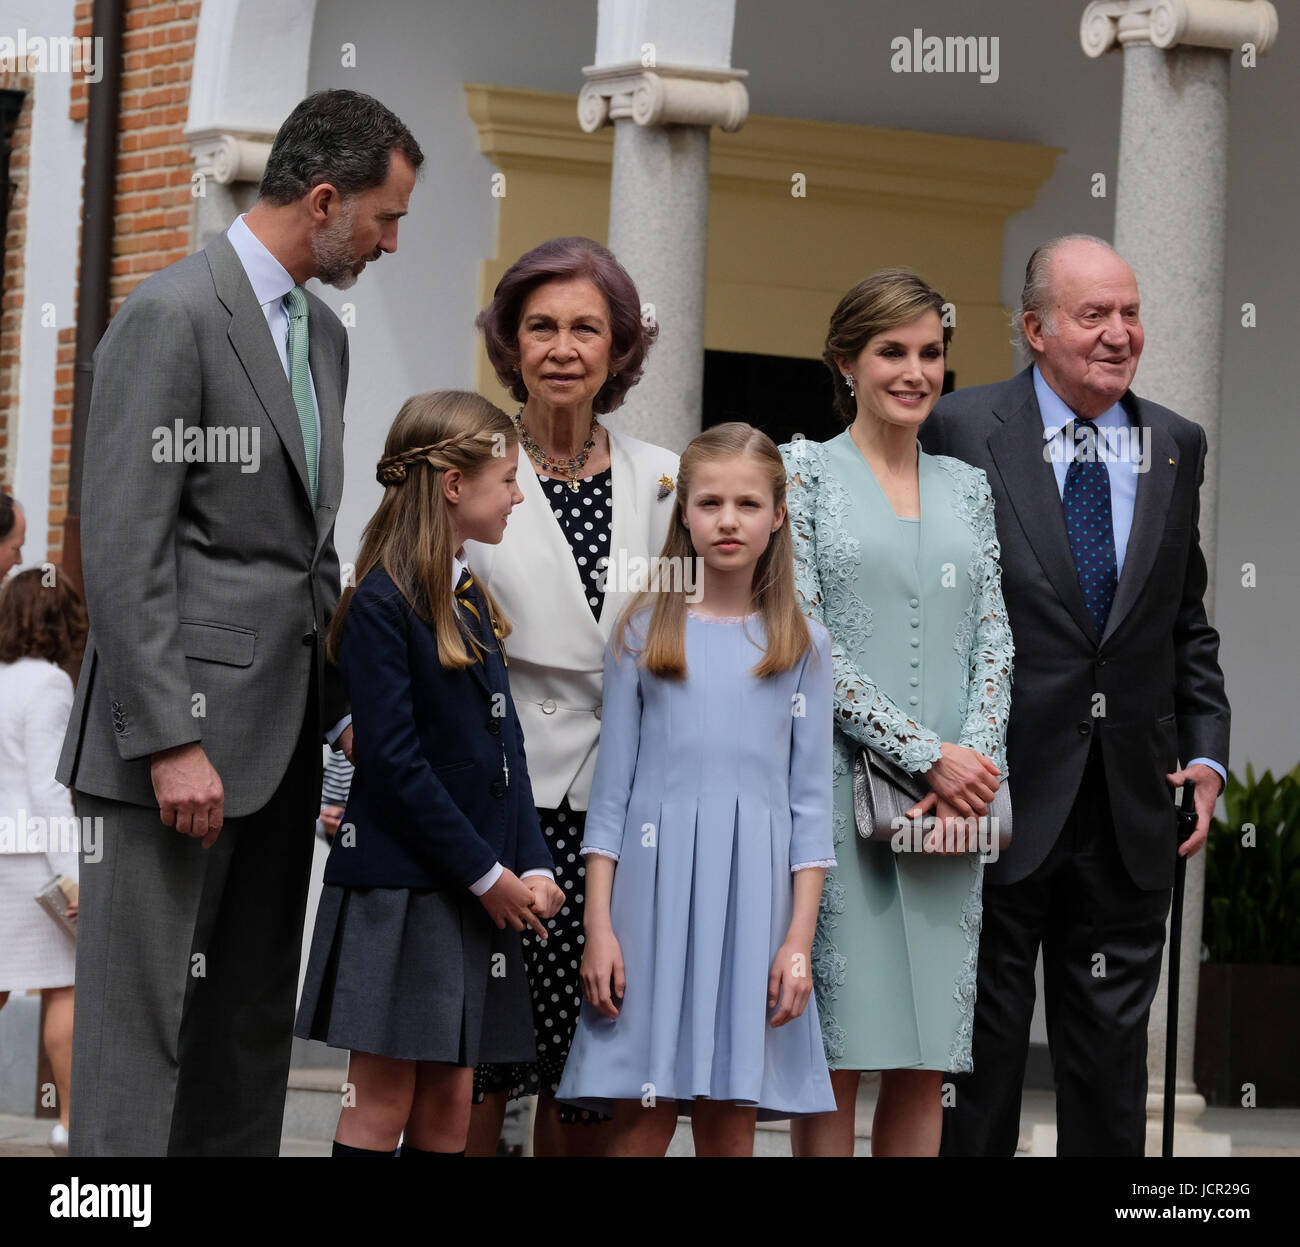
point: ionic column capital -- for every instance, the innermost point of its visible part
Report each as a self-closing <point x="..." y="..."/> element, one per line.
<point x="228" y="157"/>
<point x="662" y="95"/>
<point x="1173" y="23"/>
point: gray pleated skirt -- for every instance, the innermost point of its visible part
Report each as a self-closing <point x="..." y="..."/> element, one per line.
<point x="417" y="975"/>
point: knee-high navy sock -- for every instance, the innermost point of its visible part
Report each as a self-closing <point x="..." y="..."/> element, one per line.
<point x="344" y="1149"/>
<point x="408" y="1150"/>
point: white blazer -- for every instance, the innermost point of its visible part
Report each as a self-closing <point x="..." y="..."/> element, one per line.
<point x="556" y="653"/>
<point x="36" y="697"/>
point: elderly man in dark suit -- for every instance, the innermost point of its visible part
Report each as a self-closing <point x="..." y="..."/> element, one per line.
<point x="214" y="468"/>
<point x="1118" y="699"/>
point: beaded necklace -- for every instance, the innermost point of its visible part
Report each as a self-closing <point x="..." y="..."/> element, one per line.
<point x="558" y="467"/>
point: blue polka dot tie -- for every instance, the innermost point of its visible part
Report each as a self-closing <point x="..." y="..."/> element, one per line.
<point x="1088" y="523"/>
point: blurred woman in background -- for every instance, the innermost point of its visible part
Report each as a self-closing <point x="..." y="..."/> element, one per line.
<point x="42" y="631"/>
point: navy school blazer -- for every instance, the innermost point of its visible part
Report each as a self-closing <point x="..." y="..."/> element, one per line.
<point x="441" y="789"/>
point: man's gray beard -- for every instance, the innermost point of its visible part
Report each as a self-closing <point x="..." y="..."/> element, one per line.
<point x="331" y="249"/>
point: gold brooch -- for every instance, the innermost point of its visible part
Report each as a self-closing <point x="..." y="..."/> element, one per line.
<point x="665" y="486"/>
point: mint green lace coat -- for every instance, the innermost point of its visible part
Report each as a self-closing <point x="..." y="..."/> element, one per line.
<point x="922" y="653"/>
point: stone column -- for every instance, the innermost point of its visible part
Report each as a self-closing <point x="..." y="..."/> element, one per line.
<point x="1170" y="216"/>
<point x="659" y="184"/>
<point x="250" y="71"/>
<point x="226" y="173"/>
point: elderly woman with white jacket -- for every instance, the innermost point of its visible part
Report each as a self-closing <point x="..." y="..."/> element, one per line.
<point x="41" y="626"/>
<point x="566" y="336"/>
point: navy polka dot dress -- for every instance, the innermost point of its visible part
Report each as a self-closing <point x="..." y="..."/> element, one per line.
<point x="585" y="518"/>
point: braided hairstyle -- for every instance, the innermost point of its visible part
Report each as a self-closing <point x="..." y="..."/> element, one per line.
<point x="393" y="469"/>
<point x="410" y="534"/>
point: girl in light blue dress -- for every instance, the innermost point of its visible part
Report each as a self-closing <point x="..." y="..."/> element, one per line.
<point x="709" y="829"/>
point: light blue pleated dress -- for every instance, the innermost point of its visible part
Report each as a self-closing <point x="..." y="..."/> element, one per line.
<point x="709" y="791"/>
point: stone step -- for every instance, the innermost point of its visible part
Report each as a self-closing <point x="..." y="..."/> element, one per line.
<point x="311" y="1106"/>
<point x="311" y="1054"/>
<point x="20" y="1038"/>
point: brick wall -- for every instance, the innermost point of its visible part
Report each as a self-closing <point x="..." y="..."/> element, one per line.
<point x="14" y="227"/>
<point x="154" y="210"/>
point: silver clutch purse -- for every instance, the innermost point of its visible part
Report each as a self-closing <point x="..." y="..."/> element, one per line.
<point x="883" y="793"/>
<point x="54" y="898"/>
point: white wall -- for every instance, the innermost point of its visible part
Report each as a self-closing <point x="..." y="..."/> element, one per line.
<point x="415" y="310"/>
<point x="1259" y="437"/>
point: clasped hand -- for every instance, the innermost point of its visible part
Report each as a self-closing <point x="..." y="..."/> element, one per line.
<point x="522" y="902"/>
<point x="962" y="784"/>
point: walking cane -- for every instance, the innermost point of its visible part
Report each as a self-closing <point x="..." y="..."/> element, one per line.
<point x="1186" y="826"/>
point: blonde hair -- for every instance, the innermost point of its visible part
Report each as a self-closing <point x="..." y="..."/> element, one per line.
<point x="664" y="649"/>
<point x="410" y="535"/>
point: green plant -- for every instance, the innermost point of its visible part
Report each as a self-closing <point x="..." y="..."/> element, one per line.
<point x="1252" y="872"/>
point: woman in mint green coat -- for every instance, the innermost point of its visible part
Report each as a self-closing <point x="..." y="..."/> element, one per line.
<point x="896" y="553"/>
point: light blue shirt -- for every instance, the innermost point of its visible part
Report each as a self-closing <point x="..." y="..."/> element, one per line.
<point x="271" y="282"/>
<point x="1123" y="448"/>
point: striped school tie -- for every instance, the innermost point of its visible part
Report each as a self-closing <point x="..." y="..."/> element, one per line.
<point x="467" y="594"/>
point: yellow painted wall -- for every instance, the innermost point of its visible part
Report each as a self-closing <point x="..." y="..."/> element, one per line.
<point x="778" y="261"/>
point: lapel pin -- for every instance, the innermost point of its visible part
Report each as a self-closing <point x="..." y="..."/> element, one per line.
<point x="666" y="485"/>
<point x="1171" y="463"/>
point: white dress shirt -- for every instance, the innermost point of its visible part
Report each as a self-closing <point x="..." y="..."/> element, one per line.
<point x="271" y="282"/>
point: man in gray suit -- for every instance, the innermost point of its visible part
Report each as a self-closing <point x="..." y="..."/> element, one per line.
<point x="213" y="472"/>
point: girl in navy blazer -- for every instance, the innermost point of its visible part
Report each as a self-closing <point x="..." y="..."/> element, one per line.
<point x="415" y="962"/>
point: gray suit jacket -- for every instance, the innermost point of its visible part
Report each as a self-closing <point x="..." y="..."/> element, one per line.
<point x="205" y="582"/>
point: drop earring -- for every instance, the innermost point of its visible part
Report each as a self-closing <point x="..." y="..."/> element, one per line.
<point x="848" y="380"/>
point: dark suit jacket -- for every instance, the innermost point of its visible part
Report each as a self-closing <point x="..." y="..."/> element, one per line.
<point x="1157" y="663"/>
<point x="205" y="583"/>
<point x="432" y="805"/>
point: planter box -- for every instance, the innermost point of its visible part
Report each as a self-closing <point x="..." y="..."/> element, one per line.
<point x="1247" y="1031"/>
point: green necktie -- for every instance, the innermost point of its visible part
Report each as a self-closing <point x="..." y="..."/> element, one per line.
<point x="300" y="378"/>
